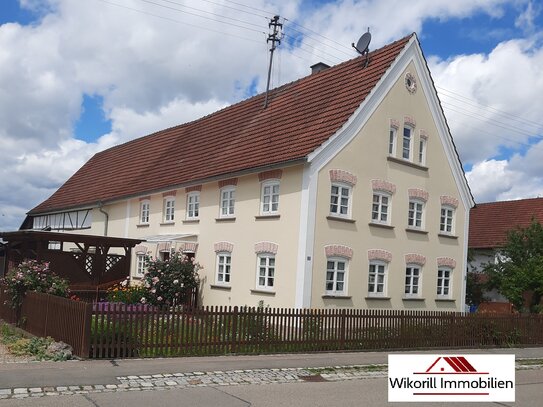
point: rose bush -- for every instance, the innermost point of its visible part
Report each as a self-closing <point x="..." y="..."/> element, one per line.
<point x="31" y="275"/>
<point x="170" y="282"/>
<point x="125" y="293"/>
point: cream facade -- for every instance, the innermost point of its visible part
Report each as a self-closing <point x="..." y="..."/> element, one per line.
<point x="376" y="217"/>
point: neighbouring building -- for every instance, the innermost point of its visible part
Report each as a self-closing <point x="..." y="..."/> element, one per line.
<point x="489" y="225"/>
<point x="345" y="191"/>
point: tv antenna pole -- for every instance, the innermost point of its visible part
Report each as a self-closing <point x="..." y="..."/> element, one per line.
<point x="274" y="39"/>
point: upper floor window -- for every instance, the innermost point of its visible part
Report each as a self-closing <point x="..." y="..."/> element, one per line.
<point x="380" y="208"/>
<point x="265" y="278"/>
<point x="422" y="151"/>
<point x="169" y="209"/>
<point x="392" y="141"/>
<point x="224" y="261"/>
<point x="412" y="280"/>
<point x="444" y="282"/>
<point x="144" y="211"/>
<point x="228" y="199"/>
<point x="446" y="222"/>
<point x="414" y="217"/>
<point x="340" y="198"/>
<point x="406" y="144"/>
<point x="270" y="198"/>
<point x="336" y="273"/>
<point x="377" y="278"/>
<point x="193" y="205"/>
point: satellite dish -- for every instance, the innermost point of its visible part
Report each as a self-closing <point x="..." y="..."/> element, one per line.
<point x="363" y="43"/>
<point x="362" y="46"/>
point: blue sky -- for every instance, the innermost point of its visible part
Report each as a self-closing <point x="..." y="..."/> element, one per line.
<point x="78" y="77"/>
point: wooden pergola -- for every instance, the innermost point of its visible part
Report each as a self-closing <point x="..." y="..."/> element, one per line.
<point x="84" y="260"/>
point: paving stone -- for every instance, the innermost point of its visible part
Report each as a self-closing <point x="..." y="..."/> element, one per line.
<point x="20" y="390"/>
<point x="4" y="392"/>
<point x="35" y="390"/>
<point x="132" y="377"/>
<point x="111" y="386"/>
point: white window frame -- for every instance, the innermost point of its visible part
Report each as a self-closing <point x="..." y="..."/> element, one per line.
<point x="140" y="265"/>
<point x="380" y="206"/>
<point x="412" y="214"/>
<point x="444" y="282"/>
<point x="269" y="210"/>
<point x="375" y="292"/>
<point x="334" y="280"/>
<point x="227" y="202"/>
<point x="193" y="205"/>
<point x="267" y="257"/>
<point x="447" y="219"/>
<point x="409" y="148"/>
<point x="422" y="151"/>
<point x="169" y="209"/>
<point x="145" y="211"/>
<point x="339" y="204"/>
<point x="224" y="268"/>
<point x="410" y="277"/>
<point x="392" y="140"/>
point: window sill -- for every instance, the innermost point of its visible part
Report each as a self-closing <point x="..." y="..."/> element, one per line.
<point x="191" y="221"/>
<point x="419" y="231"/>
<point x="271" y="216"/>
<point x="167" y="224"/>
<point x="226" y="219"/>
<point x="340" y="219"/>
<point x="413" y="299"/>
<point x="340" y="297"/>
<point x="265" y="292"/>
<point x="447" y="236"/>
<point x="381" y="225"/>
<point x="376" y="297"/>
<point x="407" y="163"/>
<point x="142" y="225"/>
<point x="220" y="287"/>
<point x="445" y="300"/>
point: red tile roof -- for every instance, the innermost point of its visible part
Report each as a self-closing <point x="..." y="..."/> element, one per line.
<point x="490" y="222"/>
<point x="300" y="117"/>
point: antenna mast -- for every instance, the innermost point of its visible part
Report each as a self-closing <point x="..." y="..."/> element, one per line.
<point x="274" y="22"/>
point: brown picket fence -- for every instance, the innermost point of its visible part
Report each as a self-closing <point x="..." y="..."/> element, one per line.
<point x="123" y="331"/>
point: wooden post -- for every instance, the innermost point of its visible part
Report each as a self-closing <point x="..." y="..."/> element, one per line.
<point x="86" y="332"/>
<point x="234" y="336"/>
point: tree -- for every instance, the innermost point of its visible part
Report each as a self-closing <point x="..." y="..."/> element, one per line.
<point x="518" y="270"/>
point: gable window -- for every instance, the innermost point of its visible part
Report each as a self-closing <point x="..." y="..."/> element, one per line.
<point x="270" y="198"/>
<point x="412" y="280"/>
<point x="193" y="205"/>
<point x="228" y="199"/>
<point x="140" y="265"/>
<point x="446" y="219"/>
<point x="377" y="278"/>
<point x="414" y="217"/>
<point x="340" y="197"/>
<point x="169" y="209"/>
<point x="380" y="208"/>
<point x="406" y="143"/>
<point x="224" y="261"/>
<point x="392" y="141"/>
<point x="336" y="272"/>
<point x="144" y="212"/>
<point x="265" y="278"/>
<point x="422" y="151"/>
<point x="444" y="282"/>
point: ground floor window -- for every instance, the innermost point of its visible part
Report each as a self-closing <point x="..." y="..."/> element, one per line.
<point x="336" y="271"/>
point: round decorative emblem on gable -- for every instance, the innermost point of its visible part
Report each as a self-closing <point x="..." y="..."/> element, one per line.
<point x="410" y="82"/>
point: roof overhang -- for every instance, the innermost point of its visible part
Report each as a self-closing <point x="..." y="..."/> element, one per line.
<point x="91" y="240"/>
<point x="169" y="238"/>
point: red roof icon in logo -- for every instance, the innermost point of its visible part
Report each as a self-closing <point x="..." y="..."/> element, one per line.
<point x="451" y="365"/>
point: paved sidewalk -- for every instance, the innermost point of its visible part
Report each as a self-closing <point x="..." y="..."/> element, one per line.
<point x="36" y="379"/>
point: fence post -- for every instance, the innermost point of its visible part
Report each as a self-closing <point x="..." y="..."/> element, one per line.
<point x="235" y="316"/>
<point x="342" y="328"/>
<point x="46" y="315"/>
<point x="86" y="332"/>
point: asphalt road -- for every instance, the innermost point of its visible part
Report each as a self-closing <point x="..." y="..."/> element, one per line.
<point x="360" y="392"/>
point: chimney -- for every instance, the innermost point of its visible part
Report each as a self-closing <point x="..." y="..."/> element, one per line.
<point x="319" y="66"/>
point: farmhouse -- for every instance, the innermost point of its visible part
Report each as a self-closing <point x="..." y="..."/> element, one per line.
<point x="345" y="191"/>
